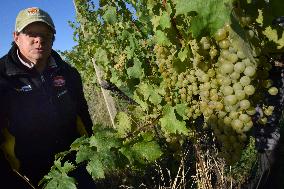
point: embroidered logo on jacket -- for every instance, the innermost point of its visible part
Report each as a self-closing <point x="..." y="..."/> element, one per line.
<point x="58" y="81"/>
<point x="25" y="88"/>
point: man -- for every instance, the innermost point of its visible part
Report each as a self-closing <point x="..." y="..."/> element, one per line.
<point x="42" y="102"/>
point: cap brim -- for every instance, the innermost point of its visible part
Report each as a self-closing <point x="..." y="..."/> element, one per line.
<point x="35" y="20"/>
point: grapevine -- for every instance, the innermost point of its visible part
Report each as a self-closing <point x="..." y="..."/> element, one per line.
<point x="180" y="61"/>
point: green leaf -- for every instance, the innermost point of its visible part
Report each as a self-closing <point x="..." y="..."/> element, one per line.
<point x="169" y="122"/>
<point x="147" y="150"/>
<point x="128" y="153"/>
<point x="183" y="54"/>
<point x="136" y="71"/>
<point x="155" y="21"/>
<point x="150" y="92"/>
<point x="110" y="15"/>
<point x="79" y="142"/>
<point x="101" y="56"/>
<point x="161" y="38"/>
<point x="95" y="168"/>
<point x="84" y="154"/>
<point x="123" y="123"/>
<point x="206" y="21"/>
<point x="141" y="102"/>
<point x="181" y="109"/>
<point x="165" y="20"/>
<point x="104" y="140"/>
<point x="58" y="178"/>
<point x="61" y="182"/>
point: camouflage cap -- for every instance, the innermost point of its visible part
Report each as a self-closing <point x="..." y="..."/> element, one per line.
<point x="30" y="15"/>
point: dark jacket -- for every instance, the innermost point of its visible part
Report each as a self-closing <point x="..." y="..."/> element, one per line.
<point x="40" y="110"/>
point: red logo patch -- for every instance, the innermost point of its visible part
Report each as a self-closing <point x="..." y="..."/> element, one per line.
<point x="33" y="10"/>
<point x="58" y="81"/>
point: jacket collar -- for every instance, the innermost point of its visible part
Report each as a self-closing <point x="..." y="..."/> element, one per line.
<point x="15" y="67"/>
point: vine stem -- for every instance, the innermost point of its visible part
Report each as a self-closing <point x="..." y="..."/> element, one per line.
<point x="109" y="101"/>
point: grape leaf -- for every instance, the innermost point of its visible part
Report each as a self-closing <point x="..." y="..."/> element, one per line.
<point x="181" y="109"/>
<point x="206" y="21"/>
<point x="170" y="123"/>
<point x="165" y="21"/>
<point x="104" y="140"/>
<point x="161" y="38"/>
<point x="84" y="154"/>
<point x="141" y="102"/>
<point x="101" y="56"/>
<point x="95" y="168"/>
<point x="155" y="22"/>
<point x="147" y="150"/>
<point x="61" y="181"/>
<point x="110" y="15"/>
<point x="58" y="178"/>
<point x="183" y="54"/>
<point x="150" y="92"/>
<point x="123" y="123"/>
<point x="136" y="71"/>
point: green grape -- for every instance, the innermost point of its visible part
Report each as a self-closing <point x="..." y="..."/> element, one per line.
<point x="250" y="71"/>
<point x="230" y="108"/>
<point x="220" y="34"/>
<point x="267" y="83"/>
<point x="249" y="89"/>
<point x="237" y="125"/>
<point x="251" y="111"/>
<point x="211" y="72"/>
<point x="230" y="100"/>
<point x="247" y="62"/>
<point x="232" y="57"/>
<point x="204" y="78"/>
<point x="245" y="80"/>
<point x="227" y="68"/>
<point x="214" y="84"/>
<point x="228" y="90"/>
<point x="235" y="75"/>
<point x="239" y="67"/>
<point x="226" y="81"/>
<point x="225" y="53"/>
<point x="213" y="52"/>
<point x="182" y="91"/>
<point x="273" y="91"/>
<point x="183" y="97"/>
<point x="245" y="118"/>
<point x="244" y="104"/>
<point x="240" y="94"/>
<point x="219" y="106"/>
<point x="233" y="115"/>
<point x="247" y="126"/>
<point x="222" y="114"/>
<point x="227" y="120"/>
<point x="237" y="86"/>
<point x="224" y="44"/>
<point x="214" y="97"/>
<point x="241" y="54"/>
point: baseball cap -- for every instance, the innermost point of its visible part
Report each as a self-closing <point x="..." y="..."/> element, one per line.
<point x="31" y="15"/>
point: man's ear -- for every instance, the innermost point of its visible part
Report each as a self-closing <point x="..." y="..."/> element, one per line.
<point x="16" y="37"/>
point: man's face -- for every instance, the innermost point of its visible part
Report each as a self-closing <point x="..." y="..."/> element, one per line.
<point x="35" y="42"/>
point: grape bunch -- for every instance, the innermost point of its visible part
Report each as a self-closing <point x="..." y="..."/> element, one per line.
<point x="223" y="84"/>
